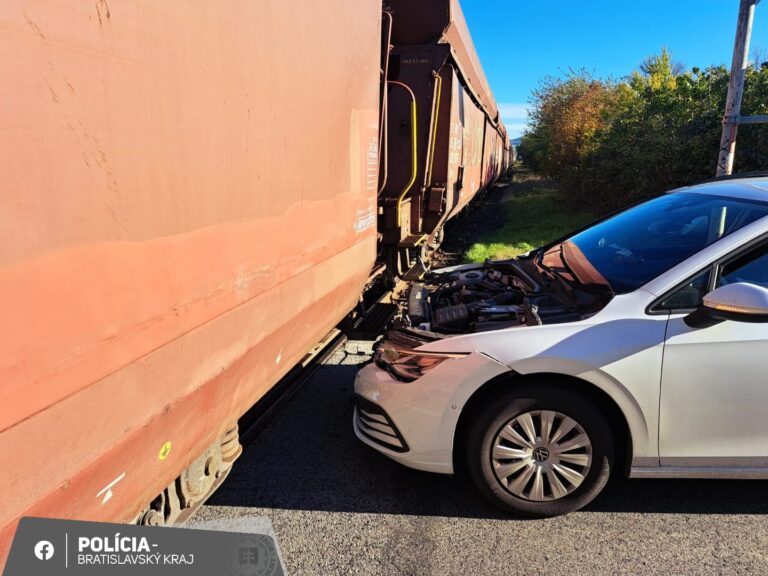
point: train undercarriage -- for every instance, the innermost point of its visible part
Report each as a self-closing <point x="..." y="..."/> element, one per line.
<point x="181" y="499"/>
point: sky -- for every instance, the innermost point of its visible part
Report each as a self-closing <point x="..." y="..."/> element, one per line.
<point x="521" y="41"/>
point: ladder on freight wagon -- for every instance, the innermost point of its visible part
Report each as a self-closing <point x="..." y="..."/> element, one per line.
<point x="733" y="118"/>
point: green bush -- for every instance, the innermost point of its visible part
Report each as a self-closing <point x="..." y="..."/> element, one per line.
<point x="609" y="143"/>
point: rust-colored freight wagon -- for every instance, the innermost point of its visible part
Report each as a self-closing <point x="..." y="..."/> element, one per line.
<point x="510" y="153"/>
<point x="187" y="204"/>
<point x="443" y="141"/>
<point x="493" y="157"/>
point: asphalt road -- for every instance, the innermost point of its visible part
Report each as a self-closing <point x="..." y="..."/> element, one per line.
<point x="339" y="507"/>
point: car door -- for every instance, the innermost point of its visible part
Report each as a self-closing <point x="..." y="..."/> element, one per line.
<point x="714" y="387"/>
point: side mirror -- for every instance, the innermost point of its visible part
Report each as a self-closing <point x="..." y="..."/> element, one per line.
<point x="740" y="302"/>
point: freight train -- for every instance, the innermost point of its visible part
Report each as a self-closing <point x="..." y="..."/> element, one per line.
<point x="443" y="140"/>
<point x="192" y="196"/>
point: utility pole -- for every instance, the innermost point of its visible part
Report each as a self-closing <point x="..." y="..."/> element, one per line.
<point x="733" y="117"/>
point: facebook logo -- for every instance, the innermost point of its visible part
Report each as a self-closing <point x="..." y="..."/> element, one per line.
<point x="44" y="550"/>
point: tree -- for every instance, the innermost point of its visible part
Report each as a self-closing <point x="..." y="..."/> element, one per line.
<point x="612" y="143"/>
<point x="567" y="115"/>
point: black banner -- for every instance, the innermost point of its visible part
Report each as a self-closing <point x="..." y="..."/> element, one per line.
<point x="43" y="547"/>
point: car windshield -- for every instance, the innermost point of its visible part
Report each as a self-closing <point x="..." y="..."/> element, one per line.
<point x="635" y="246"/>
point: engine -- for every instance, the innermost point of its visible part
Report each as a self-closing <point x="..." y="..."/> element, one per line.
<point x="484" y="297"/>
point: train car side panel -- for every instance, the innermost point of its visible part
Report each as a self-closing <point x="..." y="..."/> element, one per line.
<point x="187" y="239"/>
<point x="473" y="148"/>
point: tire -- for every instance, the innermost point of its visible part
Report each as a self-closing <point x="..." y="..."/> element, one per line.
<point x="527" y="480"/>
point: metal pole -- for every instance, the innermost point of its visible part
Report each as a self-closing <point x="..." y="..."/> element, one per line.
<point x="736" y="87"/>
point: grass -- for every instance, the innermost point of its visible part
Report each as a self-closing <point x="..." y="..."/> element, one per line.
<point x="534" y="217"/>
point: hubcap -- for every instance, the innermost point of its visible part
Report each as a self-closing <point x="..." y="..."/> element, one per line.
<point x="541" y="455"/>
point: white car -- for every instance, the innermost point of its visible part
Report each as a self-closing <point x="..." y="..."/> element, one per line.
<point x="638" y="345"/>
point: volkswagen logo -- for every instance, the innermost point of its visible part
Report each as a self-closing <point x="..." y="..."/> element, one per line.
<point x="541" y="454"/>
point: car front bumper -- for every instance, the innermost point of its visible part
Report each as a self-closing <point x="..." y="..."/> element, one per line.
<point x="414" y="423"/>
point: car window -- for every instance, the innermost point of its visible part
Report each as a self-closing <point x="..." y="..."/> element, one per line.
<point x="751" y="268"/>
<point x="688" y="296"/>
<point x="635" y="246"/>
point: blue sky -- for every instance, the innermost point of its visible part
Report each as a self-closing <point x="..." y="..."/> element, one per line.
<point x="520" y="41"/>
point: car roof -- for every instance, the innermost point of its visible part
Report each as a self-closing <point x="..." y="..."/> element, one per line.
<point x="753" y="188"/>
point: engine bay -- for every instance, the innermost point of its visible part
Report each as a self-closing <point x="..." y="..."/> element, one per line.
<point x="491" y="296"/>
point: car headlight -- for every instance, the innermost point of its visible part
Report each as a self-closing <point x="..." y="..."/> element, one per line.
<point x="407" y="364"/>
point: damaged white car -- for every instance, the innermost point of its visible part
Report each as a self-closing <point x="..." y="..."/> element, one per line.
<point x="634" y="346"/>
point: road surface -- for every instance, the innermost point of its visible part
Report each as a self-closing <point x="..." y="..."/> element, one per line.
<point x="338" y="507"/>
